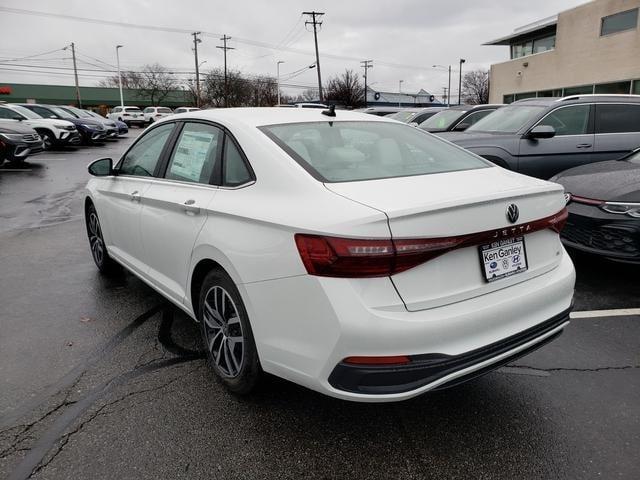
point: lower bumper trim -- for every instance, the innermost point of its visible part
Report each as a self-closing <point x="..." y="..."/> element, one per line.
<point x="427" y="368"/>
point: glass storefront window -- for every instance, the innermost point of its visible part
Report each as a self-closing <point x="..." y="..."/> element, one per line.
<point x="578" y="90"/>
<point x="544" y="44"/>
<point x="619" y="22"/>
<point x="522" y="96"/>
<point x="616" y="87"/>
<point x="636" y="87"/>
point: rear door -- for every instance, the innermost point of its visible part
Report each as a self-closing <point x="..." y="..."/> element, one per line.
<point x="176" y="206"/>
<point x="122" y="196"/>
<point x="571" y="146"/>
<point x="617" y="130"/>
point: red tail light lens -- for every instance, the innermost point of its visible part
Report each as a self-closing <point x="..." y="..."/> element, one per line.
<point x="363" y="258"/>
<point x="398" y="360"/>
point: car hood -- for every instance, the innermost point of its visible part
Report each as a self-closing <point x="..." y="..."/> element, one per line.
<point x="473" y="138"/>
<point x="13" y="126"/>
<point x="615" y="180"/>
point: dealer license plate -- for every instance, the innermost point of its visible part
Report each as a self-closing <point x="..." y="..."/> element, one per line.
<point x="503" y="258"/>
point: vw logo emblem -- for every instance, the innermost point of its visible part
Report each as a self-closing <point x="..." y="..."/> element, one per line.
<point x="513" y="213"/>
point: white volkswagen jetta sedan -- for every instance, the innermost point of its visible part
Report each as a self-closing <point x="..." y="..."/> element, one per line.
<point x="354" y="255"/>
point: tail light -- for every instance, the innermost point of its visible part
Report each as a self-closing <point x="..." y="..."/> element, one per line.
<point x="364" y="258"/>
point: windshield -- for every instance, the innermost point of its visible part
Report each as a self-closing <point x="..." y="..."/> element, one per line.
<point x="360" y="150"/>
<point x="96" y="115"/>
<point x="442" y="120"/>
<point x="62" y="112"/>
<point x="508" y="119"/>
<point x="25" y="112"/>
<point x="403" y="116"/>
<point x="79" y="113"/>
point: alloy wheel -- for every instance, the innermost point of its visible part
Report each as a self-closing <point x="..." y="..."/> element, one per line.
<point x="223" y="331"/>
<point x="95" y="238"/>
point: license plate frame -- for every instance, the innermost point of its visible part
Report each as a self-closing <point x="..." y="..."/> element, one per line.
<point x="498" y="252"/>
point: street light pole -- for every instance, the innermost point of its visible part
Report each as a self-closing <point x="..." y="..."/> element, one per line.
<point x="400" y="92"/>
<point x="462" y="60"/>
<point x="449" y="88"/>
<point x="119" y="75"/>
<point x="278" y="78"/>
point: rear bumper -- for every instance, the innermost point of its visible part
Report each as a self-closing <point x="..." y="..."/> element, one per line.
<point x="594" y="231"/>
<point x="431" y="367"/>
<point x="306" y="326"/>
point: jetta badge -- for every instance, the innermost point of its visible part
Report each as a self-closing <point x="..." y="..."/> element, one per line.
<point x="513" y="213"/>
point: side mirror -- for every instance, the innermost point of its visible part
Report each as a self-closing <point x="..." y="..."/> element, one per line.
<point x="541" y="131"/>
<point x="102" y="167"/>
<point x="52" y="116"/>
<point x="461" y="127"/>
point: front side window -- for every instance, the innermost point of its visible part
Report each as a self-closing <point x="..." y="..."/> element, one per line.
<point x="235" y="169"/>
<point x="148" y="110"/>
<point x="619" y="22"/>
<point x="442" y="120"/>
<point x="508" y="119"/>
<point x="360" y="150"/>
<point x="142" y="159"/>
<point x="572" y="120"/>
<point x="9" y="114"/>
<point x="195" y="153"/>
<point x="43" y="112"/>
<point x="617" y="118"/>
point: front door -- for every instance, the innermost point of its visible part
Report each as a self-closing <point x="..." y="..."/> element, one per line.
<point x="176" y="206"/>
<point x="124" y="196"/>
<point x="571" y="146"/>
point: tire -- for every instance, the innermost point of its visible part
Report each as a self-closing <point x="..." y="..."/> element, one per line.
<point x="227" y="335"/>
<point x="48" y="138"/>
<point x="103" y="261"/>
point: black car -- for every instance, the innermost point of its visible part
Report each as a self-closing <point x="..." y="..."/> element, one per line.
<point x="544" y="136"/>
<point x="604" y="208"/>
<point x="90" y="130"/>
<point x="457" y="118"/>
<point x="111" y="129"/>
<point x="18" y="141"/>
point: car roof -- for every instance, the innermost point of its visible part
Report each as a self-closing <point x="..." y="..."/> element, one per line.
<point x="259" y="116"/>
<point x="585" y="98"/>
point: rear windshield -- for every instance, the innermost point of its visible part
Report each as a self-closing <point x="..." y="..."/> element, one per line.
<point x="359" y="150"/>
<point x="132" y="109"/>
<point x="442" y="120"/>
<point x="164" y="110"/>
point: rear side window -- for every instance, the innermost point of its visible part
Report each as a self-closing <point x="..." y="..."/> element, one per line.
<point x="572" y="120"/>
<point x="164" y="110"/>
<point x="352" y="151"/>
<point x="195" y="153"/>
<point x="617" y="118"/>
<point x="142" y="158"/>
<point x="235" y="169"/>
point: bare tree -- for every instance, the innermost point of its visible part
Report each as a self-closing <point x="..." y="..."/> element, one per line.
<point x="130" y="80"/>
<point x="238" y="88"/>
<point x="475" y="86"/>
<point x="156" y="83"/>
<point x="345" y="89"/>
<point x="265" y="91"/>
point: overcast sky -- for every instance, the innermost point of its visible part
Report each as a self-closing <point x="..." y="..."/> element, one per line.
<point x="404" y="38"/>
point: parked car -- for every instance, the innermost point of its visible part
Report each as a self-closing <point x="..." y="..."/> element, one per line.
<point x="310" y="105"/>
<point x="90" y="130"/>
<point x="111" y="129"/>
<point x="604" y="208"/>
<point x="122" y="127"/>
<point x="457" y="118"/>
<point x="349" y="253"/>
<point x="53" y="132"/>
<point x="152" y="114"/>
<point x="185" y="109"/>
<point x="379" y="111"/>
<point x="543" y="136"/>
<point x="415" y="116"/>
<point x="18" y="141"/>
<point x="128" y="115"/>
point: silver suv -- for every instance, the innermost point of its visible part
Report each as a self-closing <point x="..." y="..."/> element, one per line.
<point x="543" y="136"/>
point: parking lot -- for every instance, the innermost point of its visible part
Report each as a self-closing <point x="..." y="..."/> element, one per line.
<point x="102" y="379"/>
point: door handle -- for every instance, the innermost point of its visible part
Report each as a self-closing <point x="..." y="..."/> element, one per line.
<point x="583" y="145"/>
<point x="190" y="208"/>
<point x="135" y="196"/>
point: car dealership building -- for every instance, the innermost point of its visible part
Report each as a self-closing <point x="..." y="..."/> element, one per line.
<point x="592" y="48"/>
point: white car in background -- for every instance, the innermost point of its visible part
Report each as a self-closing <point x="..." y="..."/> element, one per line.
<point x="185" y="109"/>
<point x="153" y="114"/>
<point x="54" y="132"/>
<point x="128" y="115"/>
<point x="351" y="254"/>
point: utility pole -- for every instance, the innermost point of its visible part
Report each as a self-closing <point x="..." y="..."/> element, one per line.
<point x="196" y="41"/>
<point x="278" y="78"/>
<point x="315" y="24"/>
<point x="225" y="48"/>
<point x="118" y="47"/>
<point x="462" y="60"/>
<point x="444" y="96"/>
<point x="75" y="73"/>
<point x="366" y="64"/>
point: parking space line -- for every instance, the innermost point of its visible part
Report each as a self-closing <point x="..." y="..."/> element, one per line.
<point x="619" y="312"/>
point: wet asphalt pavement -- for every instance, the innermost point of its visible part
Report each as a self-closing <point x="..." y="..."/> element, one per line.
<point x="100" y="378"/>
